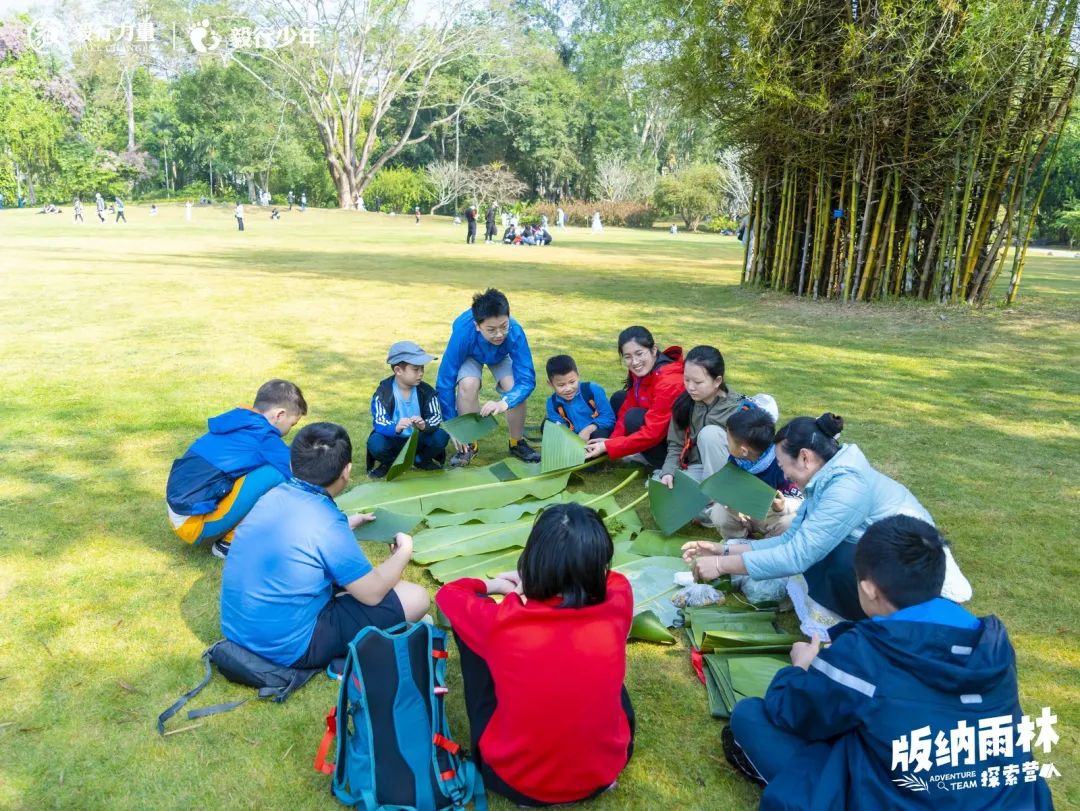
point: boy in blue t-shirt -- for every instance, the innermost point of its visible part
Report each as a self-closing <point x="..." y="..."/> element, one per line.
<point x="901" y="705"/>
<point x="403" y="403"/>
<point x="581" y="406"/>
<point x="750" y="432"/>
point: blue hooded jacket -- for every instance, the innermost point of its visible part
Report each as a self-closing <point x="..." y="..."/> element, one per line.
<point x="884" y="680"/>
<point x="238" y="442"/>
<point x="466" y="341"/>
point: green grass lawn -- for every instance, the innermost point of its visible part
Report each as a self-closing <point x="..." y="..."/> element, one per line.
<point x="119" y="341"/>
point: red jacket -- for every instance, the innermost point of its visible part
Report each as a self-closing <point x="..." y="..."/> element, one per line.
<point x="657" y="392"/>
<point x="559" y="731"/>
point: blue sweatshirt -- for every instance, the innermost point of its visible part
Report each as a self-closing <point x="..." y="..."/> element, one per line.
<point x="874" y="703"/>
<point x="238" y="442"/>
<point x="578" y="413"/>
<point x="466" y="341"/>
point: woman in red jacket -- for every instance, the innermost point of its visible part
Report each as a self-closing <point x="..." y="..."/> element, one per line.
<point x="654" y="380"/>
<point x="543" y="670"/>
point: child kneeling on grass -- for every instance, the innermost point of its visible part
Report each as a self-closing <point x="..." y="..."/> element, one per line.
<point x="880" y="718"/>
<point x="221" y="476"/>
<point x="404" y="403"/>
<point x="543" y="670"/>
<point x="580" y="406"/>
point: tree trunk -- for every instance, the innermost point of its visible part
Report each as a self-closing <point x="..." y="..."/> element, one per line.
<point x="129" y="100"/>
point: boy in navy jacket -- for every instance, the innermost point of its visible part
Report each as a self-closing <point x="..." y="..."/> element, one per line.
<point x="403" y="403"/>
<point x="580" y="406"/>
<point x="486" y="335"/>
<point x="221" y="476"/>
<point x="916" y="707"/>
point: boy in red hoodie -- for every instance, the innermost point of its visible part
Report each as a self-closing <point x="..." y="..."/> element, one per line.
<point x="643" y="409"/>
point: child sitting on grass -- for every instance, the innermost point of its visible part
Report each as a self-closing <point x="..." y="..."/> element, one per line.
<point x="750" y="432"/>
<point x="221" y="476"/>
<point x="581" y="406"/>
<point x="543" y="670"/>
<point x="404" y="403"/>
<point x="898" y="706"/>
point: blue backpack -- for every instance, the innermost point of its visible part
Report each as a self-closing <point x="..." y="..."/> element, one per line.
<point x="393" y="742"/>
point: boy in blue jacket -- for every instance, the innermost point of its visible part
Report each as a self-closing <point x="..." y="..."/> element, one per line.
<point x="486" y="335"/>
<point x="580" y="406"/>
<point x="221" y="476"/>
<point x="915" y="707"/>
<point x="403" y="403"/>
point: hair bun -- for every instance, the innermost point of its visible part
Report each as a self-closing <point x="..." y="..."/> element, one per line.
<point x="830" y="424"/>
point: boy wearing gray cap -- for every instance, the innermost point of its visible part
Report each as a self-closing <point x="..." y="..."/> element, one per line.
<point x="403" y="403"/>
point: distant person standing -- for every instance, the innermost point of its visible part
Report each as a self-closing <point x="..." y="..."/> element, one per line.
<point x="187" y="211"/>
<point x="489" y="231"/>
<point x="99" y="202"/>
<point x="291" y="197"/>
<point x="560" y="218"/>
<point x="120" y="210"/>
<point x="470" y="219"/>
<point x="303" y="201"/>
<point x="416" y="213"/>
<point x="78" y="211"/>
<point x="543" y="221"/>
<point x="153" y="210"/>
<point x="360" y="203"/>
<point x="239" y="214"/>
<point x="597" y="226"/>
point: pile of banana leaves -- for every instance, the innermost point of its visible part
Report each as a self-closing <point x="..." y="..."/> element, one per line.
<point x="473" y="522"/>
<point x="741" y="651"/>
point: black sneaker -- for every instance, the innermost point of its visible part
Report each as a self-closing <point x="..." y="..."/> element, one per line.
<point x="524" y="451"/>
<point x="465" y="457"/>
<point x="379" y="471"/>
<point x="737" y="757"/>
<point x="428" y="464"/>
<point x="220" y="549"/>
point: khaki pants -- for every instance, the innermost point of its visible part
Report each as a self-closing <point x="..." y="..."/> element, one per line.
<point x="731" y="524"/>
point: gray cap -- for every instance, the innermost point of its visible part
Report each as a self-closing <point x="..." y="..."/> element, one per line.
<point x="408" y="352"/>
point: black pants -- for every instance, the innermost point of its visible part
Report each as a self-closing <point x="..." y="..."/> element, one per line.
<point x="633" y="420"/>
<point x="120" y="216"/>
<point x="480" y="703"/>
<point x="470" y="237"/>
<point x="340" y="621"/>
<point x="490" y="233"/>
<point x="240" y="223"/>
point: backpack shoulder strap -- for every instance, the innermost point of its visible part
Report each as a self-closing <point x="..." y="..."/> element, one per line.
<point x="190" y="694"/>
<point x="587" y="393"/>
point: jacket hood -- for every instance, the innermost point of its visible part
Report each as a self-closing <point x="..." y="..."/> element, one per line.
<point x="965" y="661"/>
<point x="238" y="419"/>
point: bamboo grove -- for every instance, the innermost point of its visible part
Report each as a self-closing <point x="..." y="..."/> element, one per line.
<point x="897" y="147"/>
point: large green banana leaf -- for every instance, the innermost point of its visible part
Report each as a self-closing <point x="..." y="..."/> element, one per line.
<point x="652" y="580"/>
<point x="433" y="545"/>
<point x="674" y="508"/>
<point x="650" y="542"/>
<point x="386" y="525"/>
<point x="511" y="512"/>
<point x="405" y="458"/>
<point x="561" y="448"/>
<point x="469" y="427"/>
<point x="456" y="491"/>
<point x="486" y="565"/>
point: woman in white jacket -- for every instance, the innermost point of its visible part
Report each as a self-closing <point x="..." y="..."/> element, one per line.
<point x="844" y="496"/>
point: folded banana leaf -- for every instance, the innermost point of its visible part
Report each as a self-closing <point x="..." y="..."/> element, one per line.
<point x="673" y="509"/>
<point x="732" y="677"/>
<point x="648" y="628"/>
<point x="741" y="491"/>
<point x="469" y="427"/>
<point x="405" y="458"/>
<point x="735" y="641"/>
<point x="561" y="448"/>
<point x="386" y="525"/>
